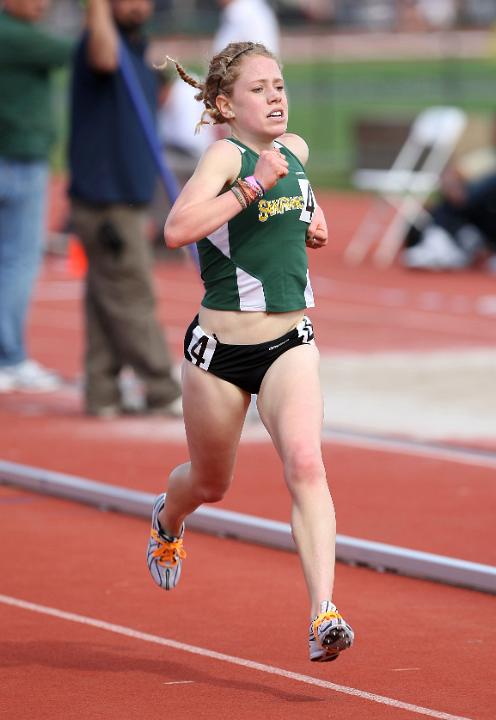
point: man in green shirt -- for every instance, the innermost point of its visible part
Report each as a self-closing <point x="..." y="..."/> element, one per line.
<point x="28" y="55"/>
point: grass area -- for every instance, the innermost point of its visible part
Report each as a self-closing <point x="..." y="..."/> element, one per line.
<point x="327" y="99"/>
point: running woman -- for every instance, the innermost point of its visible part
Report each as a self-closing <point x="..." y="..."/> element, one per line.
<point x="251" y="210"/>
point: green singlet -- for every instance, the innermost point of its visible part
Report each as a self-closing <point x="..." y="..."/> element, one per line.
<point x="258" y="260"/>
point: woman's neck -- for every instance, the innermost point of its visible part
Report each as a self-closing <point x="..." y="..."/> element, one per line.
<point x="255" y="144"/>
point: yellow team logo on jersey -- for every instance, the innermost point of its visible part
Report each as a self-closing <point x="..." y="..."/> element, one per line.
<point x="305" y="202"/>
<point x="268" y="208"/>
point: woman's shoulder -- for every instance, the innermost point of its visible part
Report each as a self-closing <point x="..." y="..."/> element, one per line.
<point x="296" y="144"/>
<point x="224" y="148"/>
<point x="221" y="158"/>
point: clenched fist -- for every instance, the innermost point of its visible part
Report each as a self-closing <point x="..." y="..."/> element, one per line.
<point x="271" y="165"/>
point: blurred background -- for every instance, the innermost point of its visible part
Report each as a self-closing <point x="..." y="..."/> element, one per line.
<point x="357" y="71"/>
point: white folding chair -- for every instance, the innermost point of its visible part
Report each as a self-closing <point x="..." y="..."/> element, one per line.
<point x="405" y="185"/>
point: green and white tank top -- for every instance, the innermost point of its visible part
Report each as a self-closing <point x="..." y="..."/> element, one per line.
<point x="258" y="260"/>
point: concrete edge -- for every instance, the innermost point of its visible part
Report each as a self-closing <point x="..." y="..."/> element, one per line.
<point x="249" y="528"/>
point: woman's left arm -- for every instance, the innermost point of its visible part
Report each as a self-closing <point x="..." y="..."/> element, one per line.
<point x="317" y="230"/>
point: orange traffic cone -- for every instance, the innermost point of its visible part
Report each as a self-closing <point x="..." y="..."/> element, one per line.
<point x="77" y="262"/>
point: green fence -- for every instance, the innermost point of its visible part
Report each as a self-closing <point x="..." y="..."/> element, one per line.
<point x="328" y="100"/>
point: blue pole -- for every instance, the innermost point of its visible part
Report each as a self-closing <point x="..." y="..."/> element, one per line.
<point x="148" y="125"/>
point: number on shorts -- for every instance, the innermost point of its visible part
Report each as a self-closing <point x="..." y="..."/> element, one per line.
<point x="197" y="351"/>
<point x="305" y="331"/>
<point x="201" y="348"/>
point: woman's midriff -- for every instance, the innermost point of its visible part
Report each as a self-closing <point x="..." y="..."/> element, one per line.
<point x="247" y="328"/>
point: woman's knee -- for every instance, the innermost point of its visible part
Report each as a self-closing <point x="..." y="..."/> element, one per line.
<point x="212" y="486"/>
<point x="212" y="493"/>
<point x="303" y="466"/>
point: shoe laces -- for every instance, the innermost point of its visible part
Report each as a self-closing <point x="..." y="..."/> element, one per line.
<point x="322" y="617"/>
<point x="168" y="552"/>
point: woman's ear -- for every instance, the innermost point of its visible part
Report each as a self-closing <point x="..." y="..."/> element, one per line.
<point x="224" y="107"/>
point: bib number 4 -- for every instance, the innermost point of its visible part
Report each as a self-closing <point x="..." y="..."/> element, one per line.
<point x="309" y="203"/>
<point x="201" y="348"/>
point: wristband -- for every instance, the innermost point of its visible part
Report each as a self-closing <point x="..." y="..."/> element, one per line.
<point x="250" y="192"/>
<point x="256" y="185"/>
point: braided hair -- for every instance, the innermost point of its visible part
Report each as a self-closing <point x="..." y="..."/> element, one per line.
<point x="222" y="73"/>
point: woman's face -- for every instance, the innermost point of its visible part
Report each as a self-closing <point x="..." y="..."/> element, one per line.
<point x="258" y="100"/>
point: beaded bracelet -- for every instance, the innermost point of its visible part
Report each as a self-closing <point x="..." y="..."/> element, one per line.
<point x="239" y="196"/>
<point x="247" y="190"/>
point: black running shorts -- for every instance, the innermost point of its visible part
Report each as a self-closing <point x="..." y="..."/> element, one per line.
<point x="242" y="365"/>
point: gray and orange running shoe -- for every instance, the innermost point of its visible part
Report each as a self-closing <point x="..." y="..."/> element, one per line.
<point x="330" y="634"/>
<point x="165" y="553"/>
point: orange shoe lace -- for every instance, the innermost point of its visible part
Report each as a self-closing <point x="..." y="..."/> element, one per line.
<point x="168" y="552"/>
<point x="329" y="615"/>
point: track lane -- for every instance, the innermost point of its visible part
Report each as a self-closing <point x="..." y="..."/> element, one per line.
<point x="236" y="599"/>
<point x="444" y="505"/>
<point x="416" y="502"/>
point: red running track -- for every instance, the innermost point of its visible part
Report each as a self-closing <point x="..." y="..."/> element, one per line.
<point x="419" y="643"/>
<point x="426" y="645"/>
<point x="422" y="503"/>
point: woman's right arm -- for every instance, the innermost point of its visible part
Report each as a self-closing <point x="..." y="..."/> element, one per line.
<point x="200" y="210"/>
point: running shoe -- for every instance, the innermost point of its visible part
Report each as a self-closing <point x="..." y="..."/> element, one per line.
<point x="30" y="376"/>
<point x="165" y="553"/>
<point x="7" y="383"/>
<point x="330" y="634"/>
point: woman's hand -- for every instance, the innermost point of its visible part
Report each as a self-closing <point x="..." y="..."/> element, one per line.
<point x="271" y="165"/>
<point x="317" y="230"/>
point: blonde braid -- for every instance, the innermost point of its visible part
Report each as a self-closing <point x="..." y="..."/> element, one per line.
<point x="182" y="73"/>
<point x="210" y="111"/>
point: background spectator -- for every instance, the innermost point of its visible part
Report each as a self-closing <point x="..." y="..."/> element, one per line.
<point x="113" y="178"/>
<point x="247" y="20"/>
<point x="182" y="147"/>
<point x="27" y="57"/>
<point x="460" y="227"/>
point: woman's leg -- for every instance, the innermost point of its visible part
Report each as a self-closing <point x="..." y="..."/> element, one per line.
<point x="214" y="413"/>
<point x="291" y="407"/>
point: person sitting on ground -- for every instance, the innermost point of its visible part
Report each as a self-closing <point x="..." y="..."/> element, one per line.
<point x="458" y="229"/>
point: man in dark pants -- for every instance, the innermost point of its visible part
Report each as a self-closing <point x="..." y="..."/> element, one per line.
<point x="113" y="178"/>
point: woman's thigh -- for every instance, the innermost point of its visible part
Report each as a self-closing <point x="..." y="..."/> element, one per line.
<point x="214" y="413"/>
<point x="290" y="402"/>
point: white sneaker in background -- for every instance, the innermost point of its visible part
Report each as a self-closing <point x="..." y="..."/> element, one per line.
<point x="32" y="377"/>
<point x="174" y="409"/>
<point x="6" y="381"/>
<point x="436" y="251"/>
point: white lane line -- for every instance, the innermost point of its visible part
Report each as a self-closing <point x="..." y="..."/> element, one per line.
<point x="233" y="660"/>
<point x="179" y="682"/>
